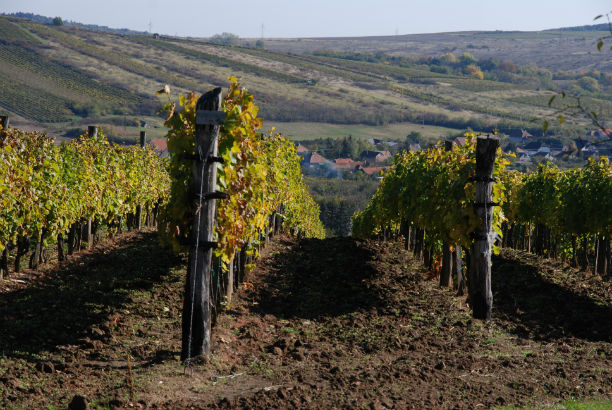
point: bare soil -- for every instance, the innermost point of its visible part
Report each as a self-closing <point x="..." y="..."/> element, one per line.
<point x="337" y="323"/>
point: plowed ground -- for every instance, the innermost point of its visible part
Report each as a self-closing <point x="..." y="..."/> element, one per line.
<point x="338" y="323"/>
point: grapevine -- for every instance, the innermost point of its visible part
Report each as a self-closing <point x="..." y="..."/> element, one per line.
<point x="261" y="173"/>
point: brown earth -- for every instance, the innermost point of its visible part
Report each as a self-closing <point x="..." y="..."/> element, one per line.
<point x="338" y="323"/>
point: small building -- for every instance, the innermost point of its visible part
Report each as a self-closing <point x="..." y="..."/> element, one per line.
<point x="519" y="135"/>
<point x="161" y="146"/>
<point x="599" y="134"/>
<point x="372" y="171"/>
<point x="459" y="141"/>
<point x="313" y="159"/>
<point x="524" y="158"/>
<point x="414" y="147"/>
<point x="533" y="147"/>
<point x="346" y="163"/>
<point x="302" y="149"/>
<point x="375" y="156"/>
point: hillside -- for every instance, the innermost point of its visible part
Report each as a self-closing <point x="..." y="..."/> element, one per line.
<point x="60" y="78"/>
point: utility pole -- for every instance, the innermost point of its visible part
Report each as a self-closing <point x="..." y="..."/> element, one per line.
<point x="262" y="31"/>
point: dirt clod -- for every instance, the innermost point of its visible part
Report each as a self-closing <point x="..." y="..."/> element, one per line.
<point x="78" y="403"/>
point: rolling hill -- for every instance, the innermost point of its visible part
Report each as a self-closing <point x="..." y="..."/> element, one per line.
<point x="59" y="78"/>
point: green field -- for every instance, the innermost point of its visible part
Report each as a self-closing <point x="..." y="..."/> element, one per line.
<point x="397" y="131"/>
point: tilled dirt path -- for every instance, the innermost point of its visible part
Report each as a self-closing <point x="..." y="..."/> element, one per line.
<point x="337" y="323"/>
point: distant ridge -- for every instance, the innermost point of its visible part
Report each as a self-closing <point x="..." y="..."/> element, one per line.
<point x="592" y="27"/>
<point x="49" y="20"/>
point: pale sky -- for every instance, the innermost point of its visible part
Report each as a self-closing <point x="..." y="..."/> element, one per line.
<point x="318" y="18"/>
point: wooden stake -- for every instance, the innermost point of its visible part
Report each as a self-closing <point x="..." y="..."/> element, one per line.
<point x="458" y="268"/>
<point x="446" y="277"/>
<point x="197" y="306"/>
<point x="143" y="139"/>
<point x="481" y="296"/>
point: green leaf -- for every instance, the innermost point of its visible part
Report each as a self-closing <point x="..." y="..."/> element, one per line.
<point x="545" y="126"/>
<point x="599" y="45"/>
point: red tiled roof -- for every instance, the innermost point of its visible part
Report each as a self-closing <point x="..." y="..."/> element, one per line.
<point x="373" y="170"/>
<point x="346" y="163"/>
<point x="383" y="156"/>
<point x="317" y="159"/>
<point x="160" y="144"/>
<point x="460" y="141"/>
<point x="301" y="148"/>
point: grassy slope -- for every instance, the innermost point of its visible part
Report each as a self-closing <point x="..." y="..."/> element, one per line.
<point x="555" y="50"/>
<point x="95" y="74"/>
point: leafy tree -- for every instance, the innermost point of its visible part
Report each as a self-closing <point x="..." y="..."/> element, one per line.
<point x="508" y="67"/>
<point x="259" y="43"/>
<point x="57" y="21"/>
<point x="448" y="59"/>
<point x="225" y="39"/>
<point x="474" y="71"/>
<point x="489" y="64"/>
<point x="466" y="59"/>
<point x="589" y="84"/>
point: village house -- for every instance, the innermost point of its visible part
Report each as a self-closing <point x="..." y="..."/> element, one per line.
<point x="372" y="171"/>
<point x="370" y="157"/>
<point x="519" y="136"/>
<point x="599" y="134"/>
<point x="459" y="141"/>
<point x="161" y="146"/>
<point x="312" y="159"/>
<point x="302" y="149"/>
<point x="346" y="164"/>
<point x="414" y="147"/>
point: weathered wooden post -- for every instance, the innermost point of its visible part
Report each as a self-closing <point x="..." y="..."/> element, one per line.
<point x="458" y="269"/>
<point x="4" y="269"/>
<point x="143" y="140"/>
<point x="4" y="121"/>
<point x="92" y="132"/>
<point x="446" y="277"/>
<point x="481" y="296"/>
<point x="197" y="304"/>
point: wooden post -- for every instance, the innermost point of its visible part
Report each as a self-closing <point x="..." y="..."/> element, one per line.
<point x="481" y="296"/>
<point x="92" y="131"/>
<point x="446" y="277"/>
<point x="89" y="235"/>
<point x="197" y="306"/>
<point x="458" y="268"/>
<point x="242" y="265"/>
<point x="230" y="281"/>
<point x="61" y="255"/>
<point x="4" y="121"/>
<point x="23" y="245"/>
<point x="143" y="139"/>
<point x="4" y="269"/>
